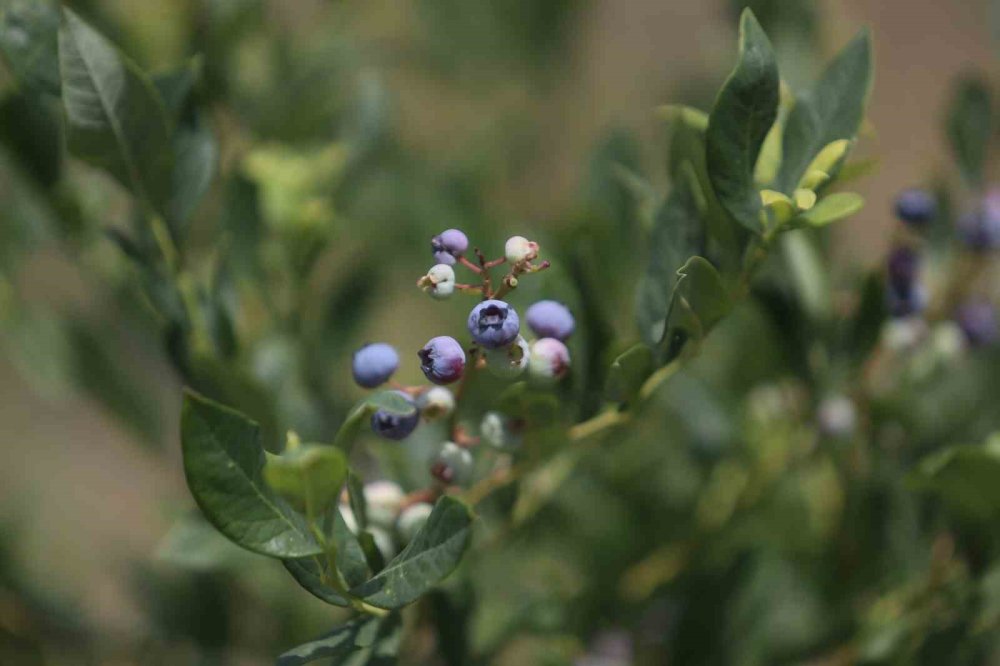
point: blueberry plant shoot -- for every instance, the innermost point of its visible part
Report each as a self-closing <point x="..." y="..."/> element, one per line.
<point x="667" y="430"/>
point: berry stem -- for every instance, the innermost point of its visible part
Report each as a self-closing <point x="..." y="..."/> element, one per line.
<point x="471" y="266"/>
<point x="496" y="262"/>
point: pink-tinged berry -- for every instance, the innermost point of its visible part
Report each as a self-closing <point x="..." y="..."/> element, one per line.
<point x="519" y="249"/>
<point x="442" y="360"/>
<point x="549" y="360"/>
<point x="452" y="465"/>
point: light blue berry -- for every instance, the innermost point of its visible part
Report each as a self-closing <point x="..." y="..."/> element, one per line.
<point x="494" y="324"/>
<point x="374" y="364"/>
<point x="550" y="319"/>
<point x="448" y="246"/>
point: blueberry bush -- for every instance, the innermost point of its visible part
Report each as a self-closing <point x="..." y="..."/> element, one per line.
<point x="664" y="430"/>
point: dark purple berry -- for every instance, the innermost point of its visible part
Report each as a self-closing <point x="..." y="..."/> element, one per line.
<point x="978" y="320"/>
<point x="916" y="207"/>
<point x="442" y="360"/>
<point x="396" y="426"/>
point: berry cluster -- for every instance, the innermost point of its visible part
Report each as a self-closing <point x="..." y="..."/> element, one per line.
<point x="497" y="345"/>
<point x="906" y="292"/>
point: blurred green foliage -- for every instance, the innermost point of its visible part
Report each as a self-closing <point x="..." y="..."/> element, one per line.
<point x="725" y="525"/>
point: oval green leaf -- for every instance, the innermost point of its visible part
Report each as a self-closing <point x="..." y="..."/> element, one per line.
<point x="223" y="464"/>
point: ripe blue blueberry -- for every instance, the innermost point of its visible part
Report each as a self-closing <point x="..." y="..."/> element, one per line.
<point x="494" y="324"/>
<point x="448" y="246"/>
<point x="442" y="359"/>
<point x="903" y="268"/>
<point x="980" y="229"/>
<point x="395" y="426"/>
<point x="907" y="302"/>
<point x="549" y="360"/>
<point x="374" y="364"/>
<point x="550" y="319"/>
<point x="916" y="207"/>
<point x="978" y="320"/>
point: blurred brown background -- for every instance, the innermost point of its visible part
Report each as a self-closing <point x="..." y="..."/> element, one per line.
<point x="85" y="501"/>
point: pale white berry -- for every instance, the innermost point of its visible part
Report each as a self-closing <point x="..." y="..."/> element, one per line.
<point x="519" y="249"/>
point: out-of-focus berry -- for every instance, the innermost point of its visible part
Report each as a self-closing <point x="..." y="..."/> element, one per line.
<point x="374" y="364"/>
<point x="436" y="403"/>
<point x="500" y="431"/>
<point x="837" y="416"/>
<point x="411" y="519"/>
<point x="550" y="319"/>
<point x="452" y="465"/>
<point x="549" y="360"/>
<point x="383" y="500"/>
<point x="916" y="207"/>
<point x="448" y="246"/>
<point x="978" y="320"/>
<point x="510" y="361"/>
<point x="395" y="426"/>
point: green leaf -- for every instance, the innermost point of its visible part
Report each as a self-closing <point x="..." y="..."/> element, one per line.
<point x="677" y="235"/>
<point x="311" y="475"/>
<point x="628" y="373"/>
<point x="967" y="478"/>
<point x="313" y="573"/>
<point x="175" y="86"/>
<point x="115" y="119"/>
<point x="29" y="43"/>
<point x="196" y="162"/>
<point x="744" y="112"/>
<point x="193" y="544"/>
<point x="832" y="208"/>
<point x="362" y="633"/>
<point x="833" y="110"/>
<point x="356" y="497"/>
<point x="433" y="554"/>
<point x="970" y="127"/>
<point x="700" y="299"/>
<point x="223" y="463"/>
<point x="359" y="417"/>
